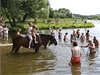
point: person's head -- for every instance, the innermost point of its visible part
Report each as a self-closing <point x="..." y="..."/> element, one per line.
<point x="59" y="29"/>
<point x="66" y="33"/>
<point x="89" y="41"/>
<point x="82" y="33"/>
<point x="94" y="37"/>
<point x="34" y="27"/>
<point x="5" y="26"/>
<point x="87" y="30"/>
<point x="74" y="44"/>
<point x="19" y="29"/>
<point x="52" y="29"/>
<point x="71" y="35"/>
<point x="78" y="30"/>
<point x="73" y="31"/>
<point x="30" y="24"/>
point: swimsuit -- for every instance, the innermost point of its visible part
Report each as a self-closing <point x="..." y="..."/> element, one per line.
<point x="75" y="60"/>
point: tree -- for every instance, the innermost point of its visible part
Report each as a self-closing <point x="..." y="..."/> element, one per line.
<point x="17" y="9"/>
<point x="11" y="9"/>
<point x="33" y="8"/>
<point x="51" y="14"/>
<point x="61" y="13"/>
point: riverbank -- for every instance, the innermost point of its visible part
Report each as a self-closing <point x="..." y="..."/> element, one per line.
<point x="52" y="23"/>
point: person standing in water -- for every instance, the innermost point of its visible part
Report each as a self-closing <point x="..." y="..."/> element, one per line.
<point x="78" y="33"/>
<point x="82" y="37"/>
<point x="60" y="34"/>
<point x="95" y="41"/>
<point x="65" y="37"/>
<point x="87" y="35"/>
<point x="1" y="32"/>
<point x="76" y="55"/>
<point x="5" y="31"/>
<point x="91" y="46"/>
<point x="53" y="32"/>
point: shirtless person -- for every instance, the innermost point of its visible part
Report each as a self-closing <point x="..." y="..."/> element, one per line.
<point x="91" y="46"/>
<point x="53" y="32"/>
<point x="65" y="37"/>
<point x="76" y="55"/>
<point x="82" y="37"/>
<point x="95" y="41"/>
<point x="87" y="35"/>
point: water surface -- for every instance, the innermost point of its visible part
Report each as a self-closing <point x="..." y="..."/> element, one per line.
<point x="53" y="60"/>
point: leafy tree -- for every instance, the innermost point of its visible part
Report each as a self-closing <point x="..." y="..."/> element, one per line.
<point x="61" y="13"/>
<point x="51" y="15"/>
<point x="21" y="9"/>
<point x="11" y="9"/>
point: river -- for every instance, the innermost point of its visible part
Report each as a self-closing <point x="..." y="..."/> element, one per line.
<point x="53" y="60"/>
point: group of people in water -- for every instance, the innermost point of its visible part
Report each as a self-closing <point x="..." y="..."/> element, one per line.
<point x="3" y="30"/>
<point x="76" y="51"/>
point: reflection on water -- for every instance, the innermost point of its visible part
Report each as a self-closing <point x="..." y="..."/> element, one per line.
<point x="53" y="60"/>
<point x="75" y="70"/>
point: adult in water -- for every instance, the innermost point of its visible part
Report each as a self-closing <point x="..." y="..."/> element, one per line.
<point x="76" y="54"/>
<point x="95" y="41"/>
<point x="91" y="46"/>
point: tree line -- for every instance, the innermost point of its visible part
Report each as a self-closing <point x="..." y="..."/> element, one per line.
<point x="19" y="10"/>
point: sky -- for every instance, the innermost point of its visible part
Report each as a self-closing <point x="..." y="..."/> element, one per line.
<point x="82" y="7"/>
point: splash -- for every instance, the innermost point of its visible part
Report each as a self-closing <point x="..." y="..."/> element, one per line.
<point x="6" y="44"/>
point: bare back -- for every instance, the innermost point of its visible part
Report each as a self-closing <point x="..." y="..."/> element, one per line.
<point x="76" y="52"/>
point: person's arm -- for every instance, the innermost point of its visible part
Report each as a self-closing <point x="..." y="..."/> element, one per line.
<point x="85" y="46"/>
<point x="71" y="57"/>
<point x="92" y="46"/>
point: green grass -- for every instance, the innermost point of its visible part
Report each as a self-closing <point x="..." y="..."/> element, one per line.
<point x="64" y="23"/>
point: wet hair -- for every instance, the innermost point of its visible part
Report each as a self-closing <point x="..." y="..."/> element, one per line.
<point x="18" y="29"/>
<point x="30" y="23"/>
<point x="34" y="26"/>
<point x="89" y="41"/>
<point x="74" y="43"/>
<point x="5" y="26"/>
<point x="87" y="30"/>
<point x="66" y="33"/>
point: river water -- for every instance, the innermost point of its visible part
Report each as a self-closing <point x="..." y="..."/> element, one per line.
<point x="53" y="60"/>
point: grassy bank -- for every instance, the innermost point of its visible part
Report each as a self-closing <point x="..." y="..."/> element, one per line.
<point x="51" y="23"/>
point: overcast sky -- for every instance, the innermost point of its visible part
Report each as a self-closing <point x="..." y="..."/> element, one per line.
<point x="83" y="7"/>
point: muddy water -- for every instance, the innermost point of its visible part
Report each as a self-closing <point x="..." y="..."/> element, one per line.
<point x="53" y="60"/>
